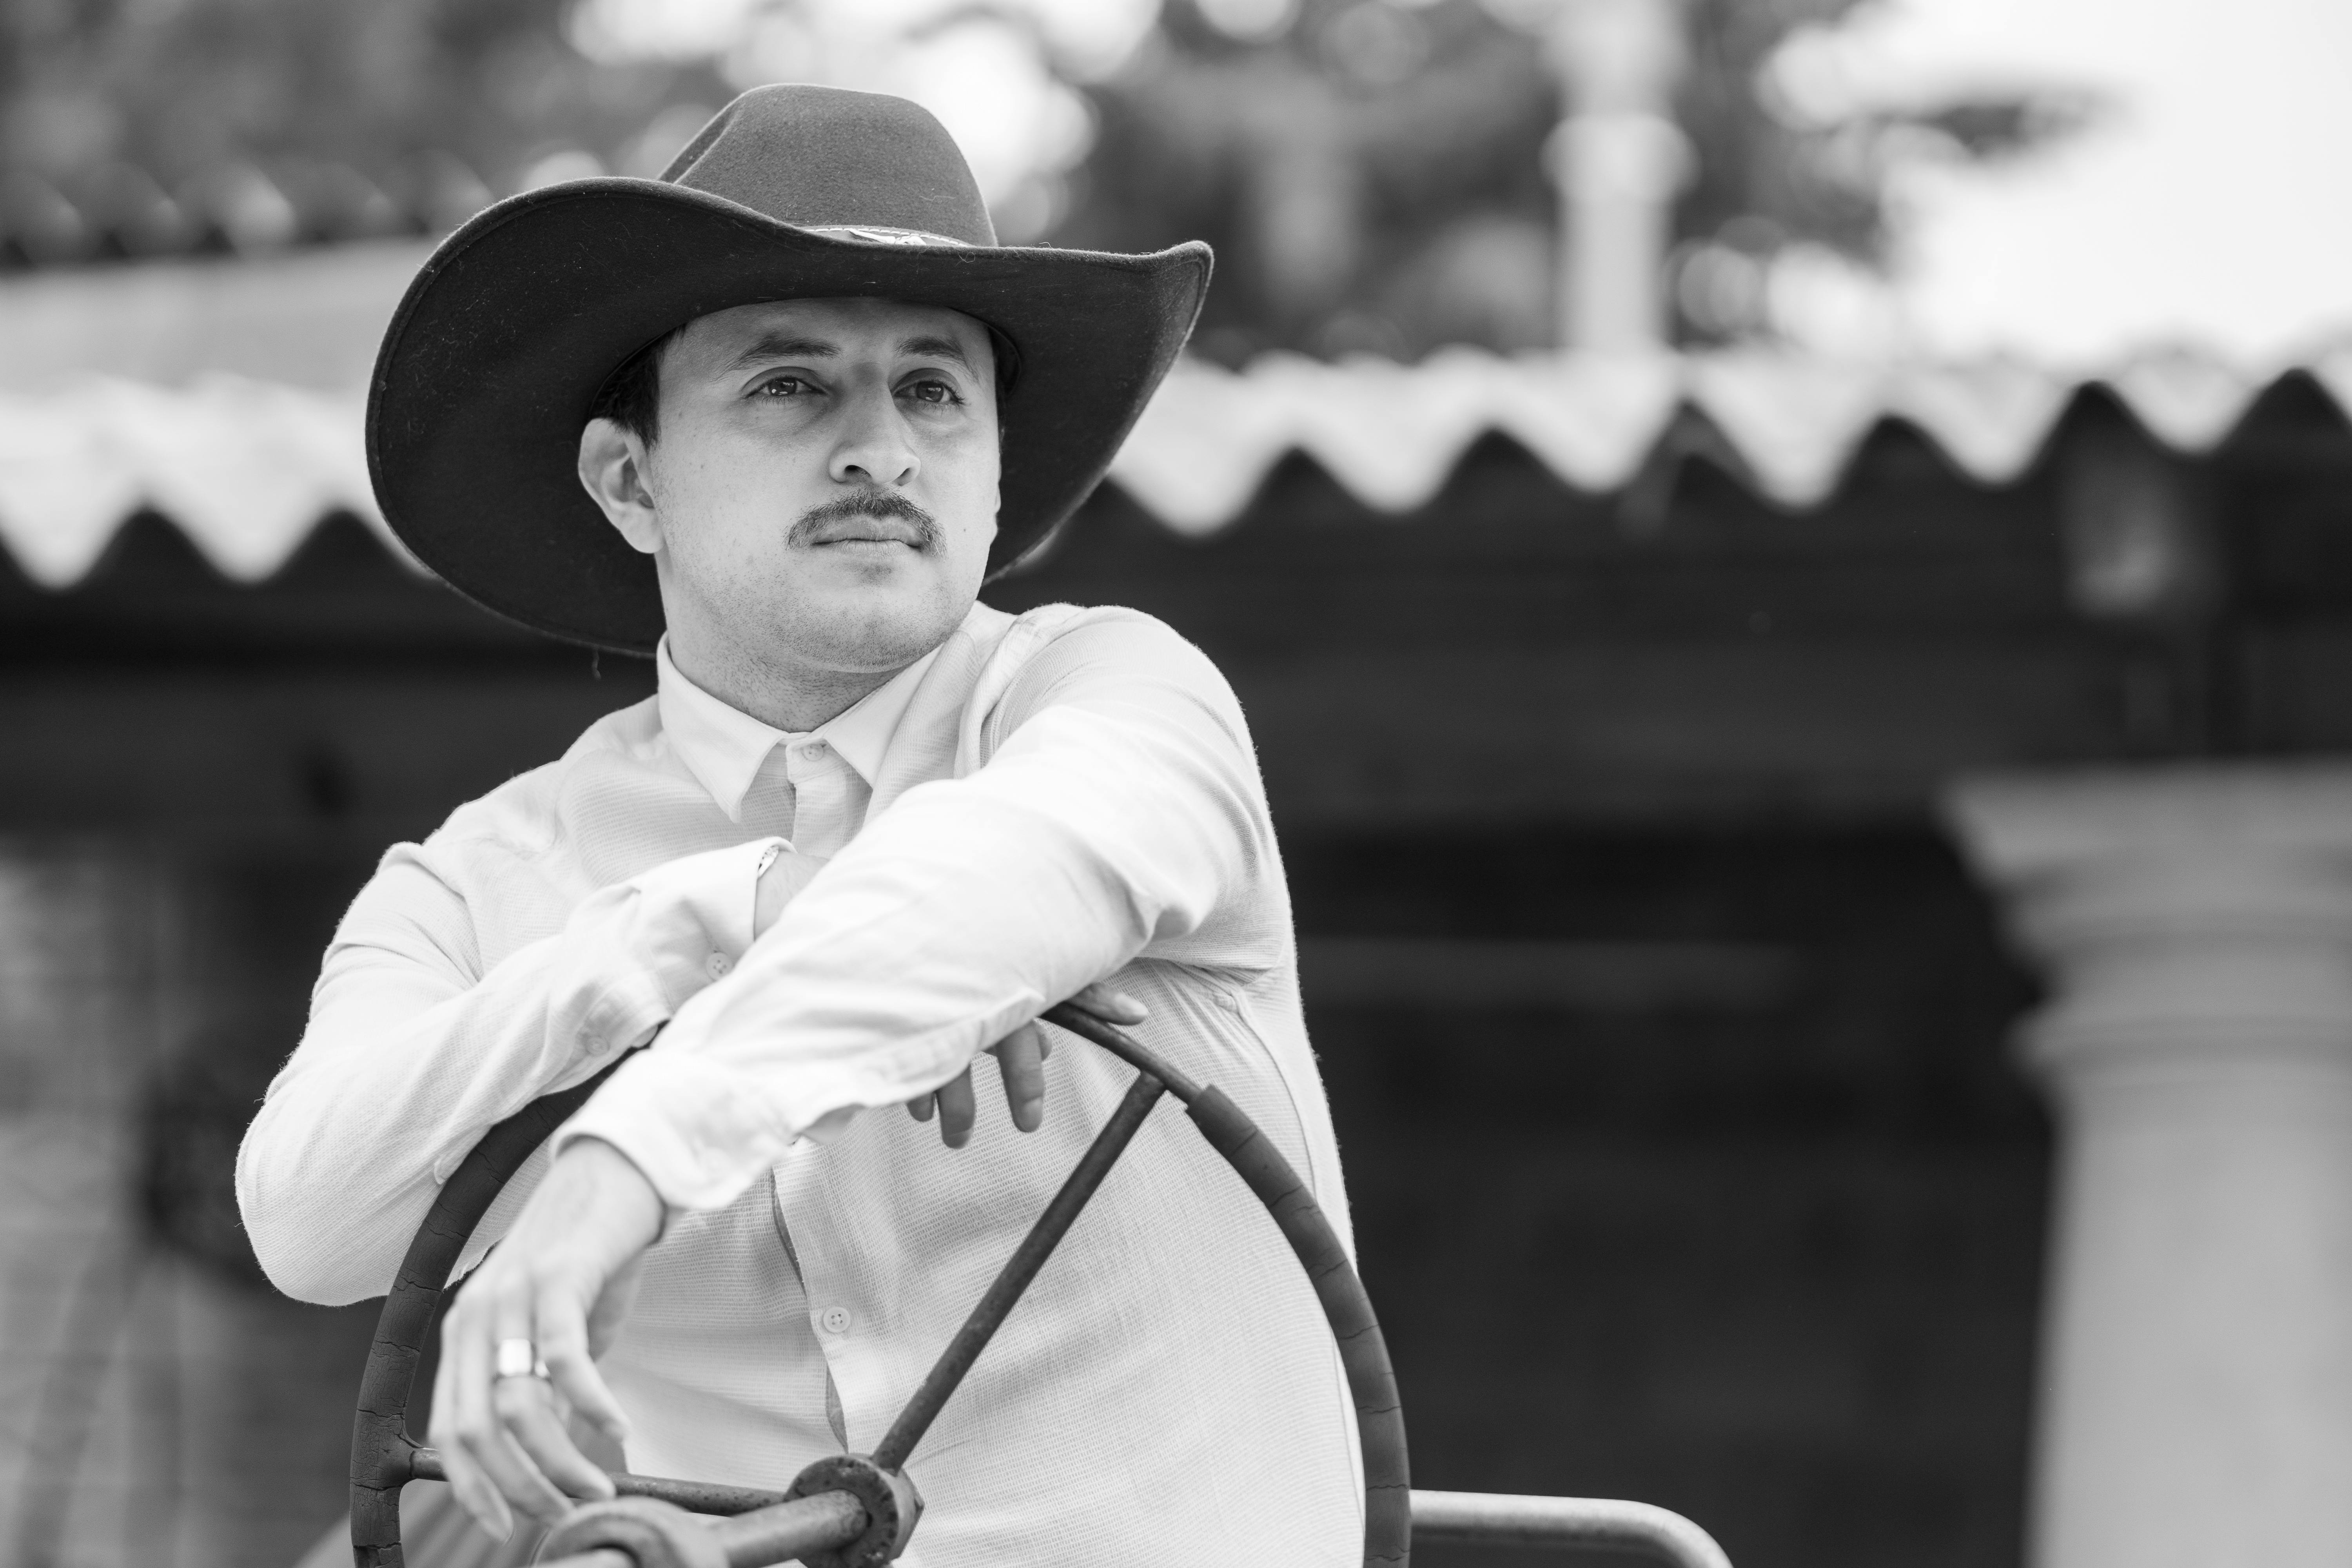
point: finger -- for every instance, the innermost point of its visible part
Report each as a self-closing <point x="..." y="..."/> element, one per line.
<point x="533" y="1411"/>
<point x="1021" y="1059"/>
<point x="494" y="1443"/>
<point x="1110" y="1004"/>
<point x="509" y="1468"/>
<point x="461" y="1388"/>
<point x="474" y="1491"/>
<point x="460" y="1392"/>
<point x="920" y="1107"/>
<point x="533" y="1417"/>
<point x="956" y="1110"/>
<point x="565" y="1345"/>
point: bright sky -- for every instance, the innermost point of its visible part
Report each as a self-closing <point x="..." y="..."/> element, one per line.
<point x="2210" y="205"/>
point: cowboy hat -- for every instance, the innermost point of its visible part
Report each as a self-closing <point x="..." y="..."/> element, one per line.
<point x="497" y="352"/>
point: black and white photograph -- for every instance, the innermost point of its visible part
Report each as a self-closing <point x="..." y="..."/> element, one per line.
<point x="1175" y="783"/>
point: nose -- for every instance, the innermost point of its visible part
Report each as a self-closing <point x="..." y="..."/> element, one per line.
<point x="872" y="448"/>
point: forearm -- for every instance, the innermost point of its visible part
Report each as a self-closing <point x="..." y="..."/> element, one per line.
<point x="409" y="1059"/>
<point x="962" y="913"/>
<point x="386" y="1096"/>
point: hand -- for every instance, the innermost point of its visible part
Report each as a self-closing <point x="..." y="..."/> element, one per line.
<point x="1021" y="1059"/>
<point x="562" y="1279"/>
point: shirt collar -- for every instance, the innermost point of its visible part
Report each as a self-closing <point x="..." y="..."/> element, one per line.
<point x="723" y="747"/>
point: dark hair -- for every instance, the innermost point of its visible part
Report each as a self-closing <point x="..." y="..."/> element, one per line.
<point x="631" y="395"/>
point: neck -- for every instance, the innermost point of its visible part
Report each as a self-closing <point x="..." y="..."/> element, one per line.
<point x="782" y="692"/>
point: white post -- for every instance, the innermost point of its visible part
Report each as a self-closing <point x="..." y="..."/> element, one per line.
<point x="1616" y="161"/>
<point x="2196" y="925"/>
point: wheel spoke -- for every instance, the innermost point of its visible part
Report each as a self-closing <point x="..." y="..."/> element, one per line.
<point x="1019" y="1270"/>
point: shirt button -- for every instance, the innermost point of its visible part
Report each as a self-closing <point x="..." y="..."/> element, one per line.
<point x="718" y="966"/>
<point x="835" y="1320"/>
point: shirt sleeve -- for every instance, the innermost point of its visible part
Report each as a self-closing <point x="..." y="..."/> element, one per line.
<point x="1120" y="815"/>
<point x="413" y="1052"/>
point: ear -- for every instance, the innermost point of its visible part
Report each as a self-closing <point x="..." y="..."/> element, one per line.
<point x="614" y="471"/>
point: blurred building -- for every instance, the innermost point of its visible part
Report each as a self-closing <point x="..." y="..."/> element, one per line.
<point x="1821" y="879"/>
<point x="1662" y="747"/>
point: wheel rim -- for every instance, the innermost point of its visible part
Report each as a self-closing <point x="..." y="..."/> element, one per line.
<point x="384" y="1456"/>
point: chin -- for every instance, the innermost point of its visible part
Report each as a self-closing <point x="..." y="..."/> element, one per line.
<point x="876" y="626"/>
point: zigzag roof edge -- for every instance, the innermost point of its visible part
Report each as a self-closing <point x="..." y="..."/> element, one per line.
<point x="248" y="468"/>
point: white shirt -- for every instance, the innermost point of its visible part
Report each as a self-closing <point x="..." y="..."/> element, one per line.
<point x="1041" y="802"/>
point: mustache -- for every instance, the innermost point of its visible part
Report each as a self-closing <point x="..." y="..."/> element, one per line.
<point x="871" y="501"/>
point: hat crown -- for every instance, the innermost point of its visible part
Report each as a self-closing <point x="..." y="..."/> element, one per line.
<point x="826" y="157"/>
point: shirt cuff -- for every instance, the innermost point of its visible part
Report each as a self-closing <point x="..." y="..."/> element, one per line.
<point x="636" y="952"/>
<point x="698" y="1131"/>
<point x="695" y="914"/>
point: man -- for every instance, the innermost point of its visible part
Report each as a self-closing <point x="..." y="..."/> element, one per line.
<point x="774" y="418"/>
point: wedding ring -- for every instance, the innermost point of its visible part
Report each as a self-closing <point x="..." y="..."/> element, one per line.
<point x="517" y="1358"/>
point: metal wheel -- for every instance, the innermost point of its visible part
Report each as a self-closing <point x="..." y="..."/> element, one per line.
<point x="854" y="1510"/>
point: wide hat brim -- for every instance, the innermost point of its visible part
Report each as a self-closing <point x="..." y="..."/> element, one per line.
<point x="502" y="343"/>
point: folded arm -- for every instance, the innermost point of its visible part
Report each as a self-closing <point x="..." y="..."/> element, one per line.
<point x="413" y="1052"/>
<point x="1119" y="813"/>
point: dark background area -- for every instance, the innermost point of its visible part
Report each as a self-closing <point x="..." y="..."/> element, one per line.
<point x="1665" y="1033"/>
<point x="1769" y="1260"/>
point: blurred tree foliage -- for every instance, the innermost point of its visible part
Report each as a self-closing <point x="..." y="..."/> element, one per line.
<point x="165" y="124"/>
<point x="1371" y="177"/>
<point x="1370" y="171"/>
<point x="1373" y="174"/>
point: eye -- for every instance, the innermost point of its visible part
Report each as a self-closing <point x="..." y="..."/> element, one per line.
<point x="932" y="390"/>
<point x="780" y="386"/>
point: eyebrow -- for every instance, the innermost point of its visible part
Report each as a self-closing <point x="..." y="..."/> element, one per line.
<point x="781" y="345"/>
<point x="937" y="347"/>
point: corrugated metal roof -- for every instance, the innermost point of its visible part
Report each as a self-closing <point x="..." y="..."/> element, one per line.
<point x="1390" y="434"/>
<point x="247" y="468"/>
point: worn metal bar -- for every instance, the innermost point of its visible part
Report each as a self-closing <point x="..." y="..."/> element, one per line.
<point x="792" y="1530"/>
<point x="908" y="1430"/>
<point x="786" y="1532"/>
<point x="1562" y="1523"/>
<point x="695" y="1496"/>
<point x="1125" y="1047"/>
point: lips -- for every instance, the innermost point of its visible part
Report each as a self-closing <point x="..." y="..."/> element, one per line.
<point x="867" y="528"/>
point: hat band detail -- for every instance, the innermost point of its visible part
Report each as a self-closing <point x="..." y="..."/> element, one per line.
<point x="877" y="235"/>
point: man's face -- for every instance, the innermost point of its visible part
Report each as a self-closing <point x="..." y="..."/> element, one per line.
<point x="822" y="485"/>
